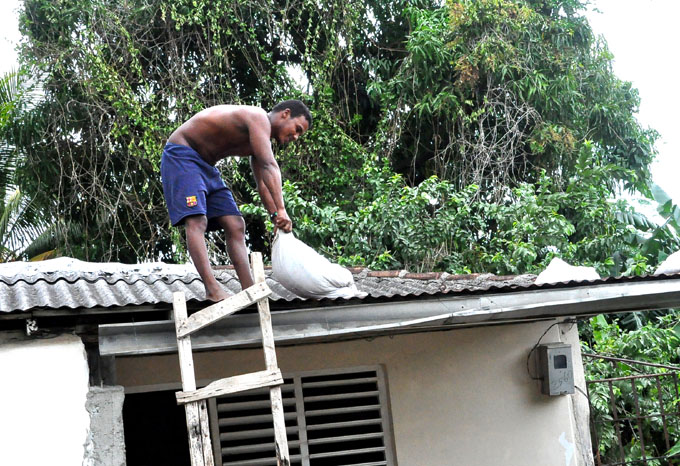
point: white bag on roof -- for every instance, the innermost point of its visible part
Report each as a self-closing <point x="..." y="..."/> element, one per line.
<point x="559" y="271"/>
<point x="301" y="270"/>
<point x="670" y="266"/>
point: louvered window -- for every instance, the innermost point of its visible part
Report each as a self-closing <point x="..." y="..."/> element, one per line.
<point x="333" y="418"/>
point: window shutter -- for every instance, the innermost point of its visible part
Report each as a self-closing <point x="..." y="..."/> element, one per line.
<point x="246" y="432"/>
<point x="333" y="418"/>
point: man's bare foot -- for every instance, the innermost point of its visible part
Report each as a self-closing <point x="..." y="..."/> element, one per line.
<point x="216" y="295"/>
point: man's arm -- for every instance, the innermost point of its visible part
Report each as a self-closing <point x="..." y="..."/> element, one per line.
<point x="266" y="171"/>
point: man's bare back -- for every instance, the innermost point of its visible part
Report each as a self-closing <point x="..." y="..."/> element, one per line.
<point x="222" y="131"/>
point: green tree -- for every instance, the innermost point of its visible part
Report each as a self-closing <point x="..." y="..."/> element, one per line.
<point x="516" y="103"/>
<point x="469" y="136"/>
<point x="492" y="92"/>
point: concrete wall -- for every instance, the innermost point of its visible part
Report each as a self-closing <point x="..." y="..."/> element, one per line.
<point x="106" y="438"/>
<point x="580" y="404"/>
<point x="460" y="397"/>
<point x="43" y="391"/>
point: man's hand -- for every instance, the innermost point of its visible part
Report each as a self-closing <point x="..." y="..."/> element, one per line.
<point x="282" y="222"/>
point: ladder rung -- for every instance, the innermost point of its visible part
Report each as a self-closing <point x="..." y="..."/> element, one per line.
<point x="217" y="311"/>
<point x="238" y="383"/>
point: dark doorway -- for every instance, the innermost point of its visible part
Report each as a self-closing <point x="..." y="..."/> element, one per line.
<point x="155" y="430"/>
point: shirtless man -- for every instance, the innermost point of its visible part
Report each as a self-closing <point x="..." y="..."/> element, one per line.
<point x="198" y="198"/>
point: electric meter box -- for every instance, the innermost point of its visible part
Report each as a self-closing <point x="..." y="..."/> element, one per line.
<point x="555" y="369"/>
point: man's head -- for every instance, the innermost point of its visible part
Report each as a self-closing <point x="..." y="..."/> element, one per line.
<point x="290" y="119"/>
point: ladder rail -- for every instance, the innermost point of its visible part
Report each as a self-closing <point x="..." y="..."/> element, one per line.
<point x="280" y="437"/>
<point x="200" y="448"/>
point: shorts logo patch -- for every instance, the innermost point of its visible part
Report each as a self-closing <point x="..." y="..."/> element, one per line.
<point x="191" y="201"/>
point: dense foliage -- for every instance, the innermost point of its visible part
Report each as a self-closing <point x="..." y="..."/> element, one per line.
<point x="655" y="342"/>
<point x="481" y="135"/>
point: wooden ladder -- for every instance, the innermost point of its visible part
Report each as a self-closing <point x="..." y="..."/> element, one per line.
<point x="194" y="400"/>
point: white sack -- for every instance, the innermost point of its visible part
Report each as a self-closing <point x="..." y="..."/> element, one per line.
<point x="670" y="265"/>
<point x="559" y="271"/>
<point x="301" y="270"/>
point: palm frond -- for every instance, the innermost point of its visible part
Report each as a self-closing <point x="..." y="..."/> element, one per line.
<point x="54" y="236"/>
<point x="9" y="92"/>
<point x="20" y="222"/>
<point x="10" y="84"/>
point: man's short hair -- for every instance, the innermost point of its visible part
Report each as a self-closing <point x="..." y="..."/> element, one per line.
<point x="296" y="107"/>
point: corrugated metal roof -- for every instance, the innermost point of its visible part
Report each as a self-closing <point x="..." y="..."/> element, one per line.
<point x="88" y="285"/>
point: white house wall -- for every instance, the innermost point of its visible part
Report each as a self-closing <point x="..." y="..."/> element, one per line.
<point x="460" y="397"/>
<point x="43" y="391"/>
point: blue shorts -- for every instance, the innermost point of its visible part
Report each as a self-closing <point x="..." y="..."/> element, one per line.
<point x="193" y="187"/>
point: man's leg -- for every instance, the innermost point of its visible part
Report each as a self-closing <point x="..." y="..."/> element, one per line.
<point x="235" y="229"/>
<point x="195" y="226"/>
